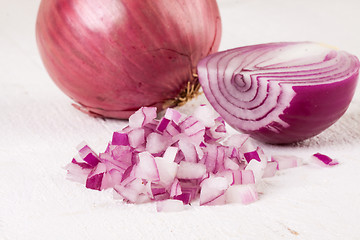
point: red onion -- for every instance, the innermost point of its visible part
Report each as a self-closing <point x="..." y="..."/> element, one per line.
<point x="115" y="56"/>
<point x="280" y="92"/>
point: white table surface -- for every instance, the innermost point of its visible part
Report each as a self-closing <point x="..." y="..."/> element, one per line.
<point x="39" y="130"/>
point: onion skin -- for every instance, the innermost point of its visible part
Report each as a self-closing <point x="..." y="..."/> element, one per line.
<point x="115" y="56"/>
<point x="280" y="93"/>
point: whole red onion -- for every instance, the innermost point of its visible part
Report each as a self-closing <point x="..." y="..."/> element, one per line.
<point x="114" y="56"/>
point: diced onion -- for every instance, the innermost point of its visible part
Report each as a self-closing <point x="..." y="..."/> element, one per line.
<point x="145" y="163"/>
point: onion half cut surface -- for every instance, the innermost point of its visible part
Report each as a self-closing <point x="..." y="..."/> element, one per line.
<point x="280" y="92"/>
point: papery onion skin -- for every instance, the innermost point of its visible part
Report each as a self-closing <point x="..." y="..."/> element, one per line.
<point x="115" y="56"/>
<point x="294" y="90"/>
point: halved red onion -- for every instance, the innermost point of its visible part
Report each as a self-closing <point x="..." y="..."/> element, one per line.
<point x="280" y="92"/>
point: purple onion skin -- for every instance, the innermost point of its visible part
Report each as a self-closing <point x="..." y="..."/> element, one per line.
<point x="312" y="109"/>
<point x="115" y="56"/>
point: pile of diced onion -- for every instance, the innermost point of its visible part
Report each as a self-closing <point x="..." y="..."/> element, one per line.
<point x="178" y="160"/>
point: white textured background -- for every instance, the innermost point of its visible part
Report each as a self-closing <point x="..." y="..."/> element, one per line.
<point x="39" y="130"/>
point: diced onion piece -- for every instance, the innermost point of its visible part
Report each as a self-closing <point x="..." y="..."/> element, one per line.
<point x="244" y="194"/>
<point x="324" y="160"/>
<point x="170" y="205"/>
<point x="247" y="177"/>
<point x="116" y="176"/>
<point x="190" y="170"/>
<point x="120" y="138"/>
<point x="173" y="115"/>
<point x="146" y="168"/>
<point x="257" y="164"/>
<point x="156" y="143"/>
<point x="206" y="115"/>
<point x="162" y="125"/>
<point x="95" y="178"/>
<point x="243" y="177"/>
<point x="188" y="149"/>
<point x="270" y="169"/>
<point x="132" y="190"/>
<point x="157" y="192"/>
<point x="77" y="173"/>
<point x="213" y="188"/>
<point x="170" y="153"/>
<point x="136" y="137"/>
<point x="228" y="175"/>
<point x="252" y="156"/>
<point x="175" y="189"/>
<point x="230" y="164"/>
<point x="236" y="140"/>
<point x="286" y="161"/>
<point x="194" y="129"/>
<point x="185" y="197"/>
<point x="142" y="117"/>
<point x="190" y="190"/>
<point x="87" y="154"/>
<point x="216" y="132"/>
<point x="172" y="129"/>
<point x="167" y="171"/>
